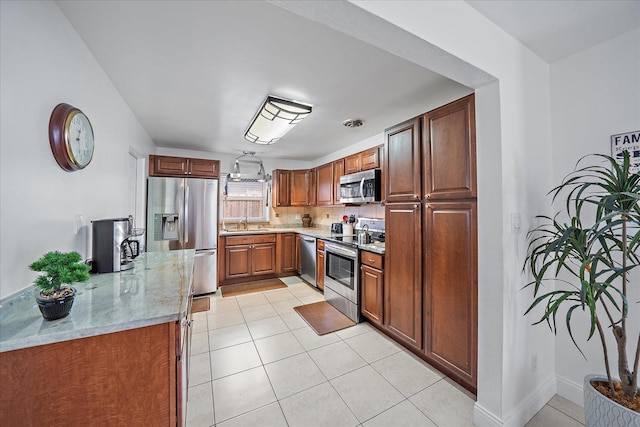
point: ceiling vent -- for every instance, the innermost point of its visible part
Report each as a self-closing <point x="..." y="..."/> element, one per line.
<point x="353" y="123"/>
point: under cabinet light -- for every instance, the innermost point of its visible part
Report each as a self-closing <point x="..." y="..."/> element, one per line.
<point x="275" y="118"/>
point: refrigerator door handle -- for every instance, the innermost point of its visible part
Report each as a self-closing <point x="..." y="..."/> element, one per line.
<point x="186" y="213"/>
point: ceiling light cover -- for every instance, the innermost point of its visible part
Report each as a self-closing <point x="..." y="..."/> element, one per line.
<point x="276" y="117"/>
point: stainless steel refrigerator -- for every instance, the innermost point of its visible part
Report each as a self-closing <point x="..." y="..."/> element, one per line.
<point x="182" y="213"/>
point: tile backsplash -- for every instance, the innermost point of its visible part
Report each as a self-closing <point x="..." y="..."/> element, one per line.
<point x="322" y="216"/>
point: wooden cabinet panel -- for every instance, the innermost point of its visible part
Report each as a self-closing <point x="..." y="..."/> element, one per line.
<point x="167" y="166"/>
<point x="287" y="251"/>
<point x="238" y="261"/>
<point x="370" y="159"/>
<point x="402" y="162"/>
<point x="122" y="378"/>
<point x="204" y="168"/>
<point x="312" y="187"/>
<point x="403" y="270"/>
<point x="371" y="286"/>
<point x="324" y="188"/>
<point x="450" y="293"/>
<point x="298" y="259"/>
<point x="183" y="166"/>
<point x="338" y="171"/>
<point x="299" y="181"/>
<point x="263" y="258"/>
<point x="371" y="259"/>
<point x="280" y="188"/>
<point x="450" y="151"/>
<point x="352" y="164"/>
<point x="320" y="264"/>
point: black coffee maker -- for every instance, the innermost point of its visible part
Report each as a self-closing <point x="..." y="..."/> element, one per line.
<point x="113" y="250"/>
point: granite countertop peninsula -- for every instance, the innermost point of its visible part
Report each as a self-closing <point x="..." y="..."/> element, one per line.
<point x="156" y="290"/>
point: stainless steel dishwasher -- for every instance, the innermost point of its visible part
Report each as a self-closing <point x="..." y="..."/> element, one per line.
<point x="308" y="259"/>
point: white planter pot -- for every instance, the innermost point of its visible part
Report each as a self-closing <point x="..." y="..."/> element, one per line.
<point x="600" y="411"/>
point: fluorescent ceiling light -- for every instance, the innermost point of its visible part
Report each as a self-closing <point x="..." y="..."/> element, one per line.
<point x="276" y="117"/>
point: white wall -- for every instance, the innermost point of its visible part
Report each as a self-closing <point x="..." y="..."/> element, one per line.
<point x="516" y="361"/>
<point x="43" y="63"/>
<point x="594" y="94"/>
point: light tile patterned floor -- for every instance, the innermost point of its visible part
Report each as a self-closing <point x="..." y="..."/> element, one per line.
<point x="255" y="362"/>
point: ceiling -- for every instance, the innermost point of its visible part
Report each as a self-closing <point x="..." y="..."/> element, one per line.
<point x="195" y="73"/>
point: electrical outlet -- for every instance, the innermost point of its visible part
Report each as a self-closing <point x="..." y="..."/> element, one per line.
<point x="298" y="216"/>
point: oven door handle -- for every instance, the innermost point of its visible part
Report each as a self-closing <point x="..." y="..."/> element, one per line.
<point x="340" y="251"/>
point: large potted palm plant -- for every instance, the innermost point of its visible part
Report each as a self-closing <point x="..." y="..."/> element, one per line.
<point x="588" y="252"/>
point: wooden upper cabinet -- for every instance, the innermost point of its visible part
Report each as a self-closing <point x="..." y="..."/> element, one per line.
<point x="312" y="187"/>
<point x="352" y="164"/>
<point x="449" y="138"/>
<point x="299" y="181"/>
<point x="338" y="171"/>
<point x="370" y="159"/>
<point x="362" y="161"/>
<point x="402" y="162"/>
<point x="324" y="186"/>
<point x="281" y="193"/>
<point x="183" y="167"/>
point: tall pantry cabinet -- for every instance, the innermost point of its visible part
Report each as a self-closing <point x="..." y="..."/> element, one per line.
<point x="431" y="246"/>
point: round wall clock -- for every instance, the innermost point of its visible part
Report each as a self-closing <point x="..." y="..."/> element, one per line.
<point x="71" y="137"/>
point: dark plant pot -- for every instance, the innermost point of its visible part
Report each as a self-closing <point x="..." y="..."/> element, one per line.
<point x="55" y="308"/>
<point x="600" y="411"/>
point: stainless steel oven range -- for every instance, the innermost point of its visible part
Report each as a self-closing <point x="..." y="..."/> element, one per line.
<point x="341" y="287"/>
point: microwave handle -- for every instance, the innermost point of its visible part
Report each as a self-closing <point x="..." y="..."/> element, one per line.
<point x="362" y="190"/>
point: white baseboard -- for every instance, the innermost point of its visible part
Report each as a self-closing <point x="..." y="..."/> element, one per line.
<point x="484" y="418"/>
<point x="529" y="407"/>
<point x="570" y="390"/>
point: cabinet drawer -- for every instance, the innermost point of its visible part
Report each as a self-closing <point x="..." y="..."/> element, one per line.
<point x="371" y="259"/>
<point x="250" y="239"/>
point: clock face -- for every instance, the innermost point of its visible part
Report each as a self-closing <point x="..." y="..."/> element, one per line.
<point x="79" y="139"/>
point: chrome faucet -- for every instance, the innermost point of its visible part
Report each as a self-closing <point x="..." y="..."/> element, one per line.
<point x="244" y="224"/>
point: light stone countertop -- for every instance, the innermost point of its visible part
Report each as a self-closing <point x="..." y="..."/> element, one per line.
<point x="156" y="290"/>
<point x="319" y="233"/>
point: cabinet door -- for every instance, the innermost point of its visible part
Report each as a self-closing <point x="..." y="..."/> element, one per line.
<point x="324" y="188"/>
<point x="449" y="138"/>
<point x="237" y="261"/>
<point x="403" y="271"/>
<point x="168" y="166"/>
<point x="338" y="171"/>
<point x="298" y="264"/>
<point x="369" y="159"/>
<point x="281" y="188"/>
<point x="299" y="181"/>
<point x="204" y="168"/>
<point x="352" y="164"/>
<point x="320" y="269"/>
<point x="402" y="161"/>
<point x="450" y="293"/>
<point x="312" y="187"/>
<point x="263" y="258"/>
<point x="371" y="281"/>
<point x="288" y="252"/>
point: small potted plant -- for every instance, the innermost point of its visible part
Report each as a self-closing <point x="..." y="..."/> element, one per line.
<point x="590" y="257"/>
<point x="55" y="295"/>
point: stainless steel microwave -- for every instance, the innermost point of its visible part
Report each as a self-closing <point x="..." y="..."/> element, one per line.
<point x="361" y="187"/>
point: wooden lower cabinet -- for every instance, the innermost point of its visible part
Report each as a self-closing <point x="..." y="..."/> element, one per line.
<point x="320" y="265"/>
<point x="403" y="271"/>
<point x="286" y="253"/>
<point x="450" y="291"/>
<point x="135" y="377"/>
<point x="250" y="255"/>
<point x="371" y="286"/>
